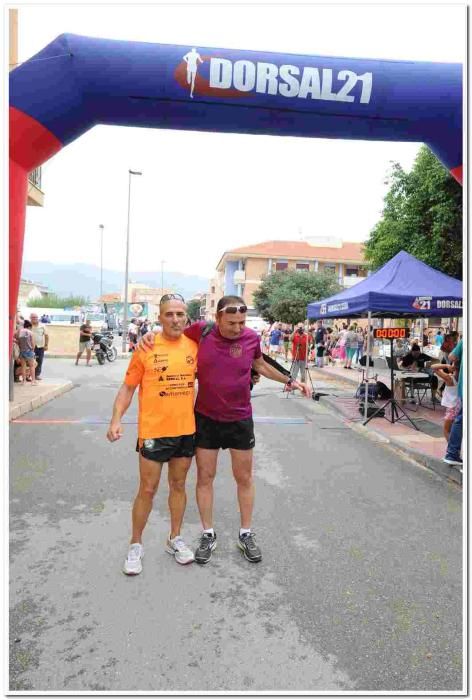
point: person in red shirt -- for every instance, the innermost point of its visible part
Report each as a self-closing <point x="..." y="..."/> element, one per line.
<point x="300" y="341"/>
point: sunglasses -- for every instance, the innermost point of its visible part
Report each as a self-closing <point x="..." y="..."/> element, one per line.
<point x="235" y="309"/>
<point x="169" y="297"/>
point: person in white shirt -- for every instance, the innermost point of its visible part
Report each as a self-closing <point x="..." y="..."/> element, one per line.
<point x="450" y="399"/>
<point x="132" y="334"/>
<point x="41" y="341"/>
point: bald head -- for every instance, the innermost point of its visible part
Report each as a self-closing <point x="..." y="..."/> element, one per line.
<point x="173" y="318"/>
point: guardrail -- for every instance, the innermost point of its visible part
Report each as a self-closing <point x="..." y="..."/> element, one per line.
<point x="35" y="177"/>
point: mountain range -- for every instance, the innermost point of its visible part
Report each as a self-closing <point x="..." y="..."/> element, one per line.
<point x="84" y="280"/>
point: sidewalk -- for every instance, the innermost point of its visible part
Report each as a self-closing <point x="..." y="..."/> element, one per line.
<point x="27" y="397"/>
<point x="419" y="445"/>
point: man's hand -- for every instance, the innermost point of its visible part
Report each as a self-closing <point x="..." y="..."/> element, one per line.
<point x="146" y="342"/>
<point x="115" y="431"/>
<point x="255" y="378"/>
<point x="304" y="388"/>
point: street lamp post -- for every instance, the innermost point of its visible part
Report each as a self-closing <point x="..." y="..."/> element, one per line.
<point x="162" y="277"/>
<point x="125" y="311"/>
<point x="101" y="227"/>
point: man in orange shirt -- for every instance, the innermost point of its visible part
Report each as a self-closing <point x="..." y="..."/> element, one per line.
<point x="166" y="425"/>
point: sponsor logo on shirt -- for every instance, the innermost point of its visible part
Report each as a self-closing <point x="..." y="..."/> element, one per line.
<point x="236" y="350"/>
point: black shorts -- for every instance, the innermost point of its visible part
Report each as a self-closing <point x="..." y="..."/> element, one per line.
<point x="213" y="434"/>
<point x="166" y="448"/>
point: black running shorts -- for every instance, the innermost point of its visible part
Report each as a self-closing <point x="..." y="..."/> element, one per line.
<point x="213" y="434"/>
<point x="166" y="448"/>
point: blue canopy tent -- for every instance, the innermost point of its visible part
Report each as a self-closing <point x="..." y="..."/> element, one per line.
<point x="404" y="287"/>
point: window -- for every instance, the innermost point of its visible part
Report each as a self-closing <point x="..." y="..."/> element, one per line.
<point x="352" y="272"/>
<point x="330" y="267"/>
<point x="212" y="303"/>
<point x="302" y="266"/>
<point x="281" y="266"/>
<point x="212" y="290"/>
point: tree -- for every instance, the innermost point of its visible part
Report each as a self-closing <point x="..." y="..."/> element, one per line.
<point x="422" y="214"/>
<point x="52" y="301"/>
<point x="193" y="309"/>
<point x="284" y="296"/>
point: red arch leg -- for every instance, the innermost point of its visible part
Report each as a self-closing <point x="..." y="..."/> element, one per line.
<point x="17" y="211"/>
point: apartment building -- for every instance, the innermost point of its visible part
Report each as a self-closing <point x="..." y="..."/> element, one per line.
<point x="240" y="271"/>
<point x="35" y="193"/>
<point x="29" y="291"/>
<point x="137" y="294"/>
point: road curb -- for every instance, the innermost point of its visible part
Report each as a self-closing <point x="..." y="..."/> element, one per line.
<point x="326" y="373"/>
<point x="30" y="404"/>
<point x="436" y="465"/>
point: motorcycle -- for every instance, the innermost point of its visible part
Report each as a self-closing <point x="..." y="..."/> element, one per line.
<point x="104" y="348"/>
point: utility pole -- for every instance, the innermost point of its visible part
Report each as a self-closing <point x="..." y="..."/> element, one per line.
<point x="101" y="227"/>
<point x="125" y="310"/>
<point x="162" y="277"/>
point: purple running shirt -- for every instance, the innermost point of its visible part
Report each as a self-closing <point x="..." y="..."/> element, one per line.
<point x="224" y="372"/>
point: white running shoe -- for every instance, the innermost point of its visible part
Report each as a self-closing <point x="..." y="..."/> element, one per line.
<point x="182" y="553"/>
<point x="132" y="565"/>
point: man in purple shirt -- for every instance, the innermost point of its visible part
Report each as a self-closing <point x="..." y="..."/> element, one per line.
<point x="223" y="414"/>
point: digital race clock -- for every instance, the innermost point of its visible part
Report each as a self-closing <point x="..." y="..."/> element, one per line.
<point x="391" y="333"/>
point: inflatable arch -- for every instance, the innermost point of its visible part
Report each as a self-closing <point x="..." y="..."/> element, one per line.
<point x="77" y="82"/>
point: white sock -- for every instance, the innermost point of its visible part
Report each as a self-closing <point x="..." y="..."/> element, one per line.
<point x="209" y="531"/>
<point x="244" y="530"/>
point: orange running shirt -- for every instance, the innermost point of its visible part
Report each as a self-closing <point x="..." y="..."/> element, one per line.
<point x="166" y="379"/>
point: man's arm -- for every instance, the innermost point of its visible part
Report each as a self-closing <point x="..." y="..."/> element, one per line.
<point x="46" y="340"/>
<point x="407" y="361"/>
<point x="194" y="332"/>
<point x="261" y="367"/>
<point x="121" y="405"/>
<point x="455" y="358"/>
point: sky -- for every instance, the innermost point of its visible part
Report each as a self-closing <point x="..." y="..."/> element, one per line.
<point x="204" y="193"/>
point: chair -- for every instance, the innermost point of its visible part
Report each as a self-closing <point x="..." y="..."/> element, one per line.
<point x="392" y="363"/>
<point x="418" y="387"/>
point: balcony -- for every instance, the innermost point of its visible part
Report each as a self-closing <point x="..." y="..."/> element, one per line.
<point x="351" y="280"/>
<point x="35" y="194"/>
<point x="35" y="177"/>
<point x="239" y="276"/>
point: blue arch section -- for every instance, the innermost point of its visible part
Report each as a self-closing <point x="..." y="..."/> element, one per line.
<point x="77" y="82"/>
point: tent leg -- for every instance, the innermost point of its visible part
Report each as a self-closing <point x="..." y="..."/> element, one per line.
<point x="367" y="365"/>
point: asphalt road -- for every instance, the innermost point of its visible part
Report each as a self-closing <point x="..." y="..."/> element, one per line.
<point x="360" y="587"/>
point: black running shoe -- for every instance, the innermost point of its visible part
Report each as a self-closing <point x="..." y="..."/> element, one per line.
<point x="248" y="545"/>
<point x="205" y="548"/>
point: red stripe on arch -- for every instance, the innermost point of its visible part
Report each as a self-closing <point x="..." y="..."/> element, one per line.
<point x="30" y="142"/>
<point x="457" y="173"/>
